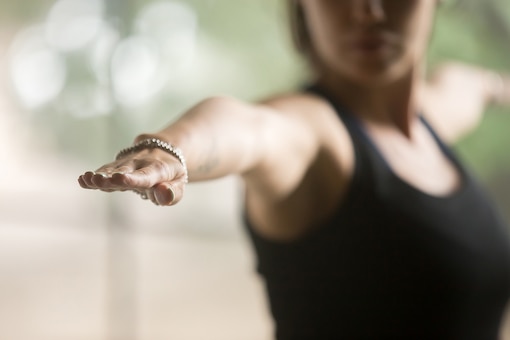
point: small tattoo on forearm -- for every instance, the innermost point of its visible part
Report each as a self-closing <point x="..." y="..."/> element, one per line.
<point x="211" y="160"/>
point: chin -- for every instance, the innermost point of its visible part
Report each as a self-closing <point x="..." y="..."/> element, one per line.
<point x="375" y="75"/>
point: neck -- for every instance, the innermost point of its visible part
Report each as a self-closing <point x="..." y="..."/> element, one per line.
<point x="392" y="103"/>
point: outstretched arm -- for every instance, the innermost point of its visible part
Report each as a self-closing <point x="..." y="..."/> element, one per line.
<point x="457" y="95"/>
<point x="218" y="137"/>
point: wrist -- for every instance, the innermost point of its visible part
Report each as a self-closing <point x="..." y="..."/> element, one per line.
<point x="144" y="142"/>
<point x="145" y="136"/>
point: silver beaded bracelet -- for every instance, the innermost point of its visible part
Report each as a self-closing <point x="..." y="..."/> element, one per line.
<point x="155" y="143"/>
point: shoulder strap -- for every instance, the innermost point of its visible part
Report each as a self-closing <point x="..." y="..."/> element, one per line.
<point x="352" y="124"/>
<point x="368" y="166"/>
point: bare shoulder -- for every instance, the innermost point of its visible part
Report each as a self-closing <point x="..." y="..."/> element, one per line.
<point x="317" y="114"/>
<point x="311" y="165"/>
<point x="305" y="105"/>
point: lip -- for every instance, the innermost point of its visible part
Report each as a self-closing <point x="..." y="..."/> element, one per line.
<point x="370" y="44"/>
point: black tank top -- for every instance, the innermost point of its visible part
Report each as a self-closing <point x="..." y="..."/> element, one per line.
<point x="393" y="262"/>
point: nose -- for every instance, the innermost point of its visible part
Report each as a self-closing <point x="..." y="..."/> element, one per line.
<point x="369" y="11"/>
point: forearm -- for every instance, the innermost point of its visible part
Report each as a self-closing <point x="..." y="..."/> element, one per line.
<point x="218" y="137"/>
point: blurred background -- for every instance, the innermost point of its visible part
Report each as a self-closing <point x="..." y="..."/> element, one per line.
<point x="79" y="79"/>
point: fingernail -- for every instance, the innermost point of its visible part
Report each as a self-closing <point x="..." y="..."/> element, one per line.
<point x="116" y="174"/>
<point x="171" y="193"/>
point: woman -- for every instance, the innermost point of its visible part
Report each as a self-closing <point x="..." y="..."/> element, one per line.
<point x="364" y="223"/>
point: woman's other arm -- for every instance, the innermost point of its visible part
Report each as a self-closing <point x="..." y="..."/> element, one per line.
<point x="457" y="95"/>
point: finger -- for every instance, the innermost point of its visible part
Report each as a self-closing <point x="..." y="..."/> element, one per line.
<point x="119" y="181"/>
<point x="123" y="182"/>
<point x="114" y="180"/>
<point x="83" y="182"/>
<point x="151" y="196"/>
<point x="86" y="180"/>
<point x="121" y="169"/>
<point x="106" y="170"/>
<point x="169" y="193"/>
<point x="101" y="180"/>
<point x="115" y="168"/>
<point x="108" y="190"/>
<point x="148" y="176"/>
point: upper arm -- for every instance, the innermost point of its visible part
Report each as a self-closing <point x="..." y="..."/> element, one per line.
<point x="304" y="142"/>
<point x="289" y="142"/>
<point x="308" y="163"/>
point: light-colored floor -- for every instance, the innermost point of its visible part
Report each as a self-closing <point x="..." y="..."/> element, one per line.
<point x="66" y="274"/>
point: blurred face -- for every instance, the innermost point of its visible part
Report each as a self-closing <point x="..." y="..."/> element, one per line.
<point x="368" y="41"/>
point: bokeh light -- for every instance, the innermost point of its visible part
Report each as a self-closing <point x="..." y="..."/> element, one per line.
<point x="38" y="73"/>
<point x="100" y="52"/>
<point x="136" y="71"/>
<point x="86" y="76"/>
<point x="72" y="24"/>
<point x="84" y="101"/>
<point x="173" y="27"/>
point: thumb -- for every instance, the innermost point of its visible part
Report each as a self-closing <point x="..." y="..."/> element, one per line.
<point x="167" y="193"/>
